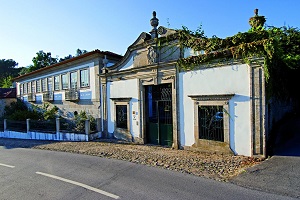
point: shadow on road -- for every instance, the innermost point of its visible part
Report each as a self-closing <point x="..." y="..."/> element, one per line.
<point x="288" y="140"/>
<point x="10" y="143"/>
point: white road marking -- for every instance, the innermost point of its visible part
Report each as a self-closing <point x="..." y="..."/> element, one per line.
<point x="4" y="165"/>
<point x="80" y="184"/>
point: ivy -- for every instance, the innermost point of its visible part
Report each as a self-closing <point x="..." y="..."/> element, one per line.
<point x="279" y="46"/>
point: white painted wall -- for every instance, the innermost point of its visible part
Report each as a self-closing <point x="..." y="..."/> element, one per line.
<point x="119" y="89"/>
<point x="219" y="80"/>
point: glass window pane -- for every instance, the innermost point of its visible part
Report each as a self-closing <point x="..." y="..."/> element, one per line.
<point x="64" y="80"/>
<point x="33" y="87"/>
<point x="49" y="84"/>
<point x="84" y="78"/>
<point x="74" y="80"/>
<point x="38" y="86"/>
<point x="56" y="83"/>
<point x="43" y="85"/>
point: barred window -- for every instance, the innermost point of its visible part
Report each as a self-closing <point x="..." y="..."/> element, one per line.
<point x="121" y="116"/>
<point x="84" y="78"/>
<point x="211" y="123"/>
<point x="56" y="83"/>
<point x="64" y="81"/>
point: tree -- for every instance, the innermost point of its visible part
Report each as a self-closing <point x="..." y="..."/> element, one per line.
<point x="6" y="82"/>
<point x="8" y="68"/>
<point x="65" y="58"/>
<point x="42" y="60"/>
<point x="80" y="52"/>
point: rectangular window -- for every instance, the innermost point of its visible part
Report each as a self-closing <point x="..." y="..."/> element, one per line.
<point x="28" y="87"/>
<point x="43" y="85"/>
<point x="33" y="86"/>
<point x="64" y="81"/>
<point x="211" y="123"/>
<point x="50" y="84"/>
<point x="38" y="86"/>
<point x="21" y="88"/>
<point x="121" y="116"/>
<point x="84" y="78"/>
<point x="73" y="77"/>
<point x="25" y="88"/>
<point x="56" y="82"/>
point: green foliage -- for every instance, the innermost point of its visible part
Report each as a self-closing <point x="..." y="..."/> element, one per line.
<point x="280" y="48"/>
<point x="42" y="60"/>
<point x="80" y="121"/>
<point x="19" y="111"/>
<point x="49" y="113"/>
<point x="6" y="82"/>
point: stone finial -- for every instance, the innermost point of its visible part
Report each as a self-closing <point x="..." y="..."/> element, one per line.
<point x="105" y="61"/>
<point x="154" y="24"/>
<point x="256" y="12"/>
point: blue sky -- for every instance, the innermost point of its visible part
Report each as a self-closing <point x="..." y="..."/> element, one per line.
<point x="62" y="26"/>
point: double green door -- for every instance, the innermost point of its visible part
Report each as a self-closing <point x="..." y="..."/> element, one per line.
<point x="159" y="115"/>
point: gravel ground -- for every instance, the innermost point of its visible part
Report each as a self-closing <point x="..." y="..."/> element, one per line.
<point x="216" y="166"/>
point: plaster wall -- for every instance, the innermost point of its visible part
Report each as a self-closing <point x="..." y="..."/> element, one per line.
<point x="124" y="89"/>
<point x="233" y="79"/>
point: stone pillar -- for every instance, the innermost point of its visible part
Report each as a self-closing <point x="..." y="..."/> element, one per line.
<point x="28" y="125"/>
<point x="99" y="128"/>
<point x="4" y="124"/>
<point x="104" y="107"/>
<point x="57" y="120"/>
<point x="87" y="126"/>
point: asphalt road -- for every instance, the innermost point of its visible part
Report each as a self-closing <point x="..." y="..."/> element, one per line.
<point x="279" y="174"/>
<point x="40" y="174"/>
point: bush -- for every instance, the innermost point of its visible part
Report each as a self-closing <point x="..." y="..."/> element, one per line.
<point x="80" y="122"/>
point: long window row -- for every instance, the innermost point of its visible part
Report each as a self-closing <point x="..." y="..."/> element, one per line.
<point x="59" y="82"/>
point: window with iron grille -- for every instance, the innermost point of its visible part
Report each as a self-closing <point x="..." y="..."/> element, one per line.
<point x="38" y="86"/>
<point x="44" y="85"/>
<point x="84" y="78"/>
<point x="121" y="116"/>
<point x="56" y="82"/>
<point x="64" y="81"/>
<point x="211" y="123"/>
<point x="73" y="77"/>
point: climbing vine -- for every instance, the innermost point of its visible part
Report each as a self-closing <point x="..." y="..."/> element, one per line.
<point x="279" y="46"/>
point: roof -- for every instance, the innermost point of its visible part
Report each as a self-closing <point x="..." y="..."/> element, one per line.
<point x="95" y="52"/>
<point x="8" y="93"/>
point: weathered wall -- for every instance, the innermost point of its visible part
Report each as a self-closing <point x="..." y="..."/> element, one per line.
<point x="233" y="79"/>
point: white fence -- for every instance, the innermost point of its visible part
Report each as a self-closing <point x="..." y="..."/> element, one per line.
<point x="58" y="135"/>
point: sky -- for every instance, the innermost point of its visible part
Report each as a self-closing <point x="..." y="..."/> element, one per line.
<point x="62" y="26"/>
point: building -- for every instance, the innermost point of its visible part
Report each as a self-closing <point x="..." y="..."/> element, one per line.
<point x="7" y="96"/>
<point x="72" y="85"/>
<point x="217" y="106"/>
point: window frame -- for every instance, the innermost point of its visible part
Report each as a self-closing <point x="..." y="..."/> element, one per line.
<point x="43" y="85"/>
<point x="88" y="77"/>
<point x="213" y="100"/>
<point x="56" y="83"/>
<point x="64" y="82"/>
<point x="71" y="82"/>
<point x="123" y="102"/>
<point x="38" y="86"/>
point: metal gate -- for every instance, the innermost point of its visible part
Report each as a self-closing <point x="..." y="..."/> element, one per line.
<point x="159" y="120"/>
